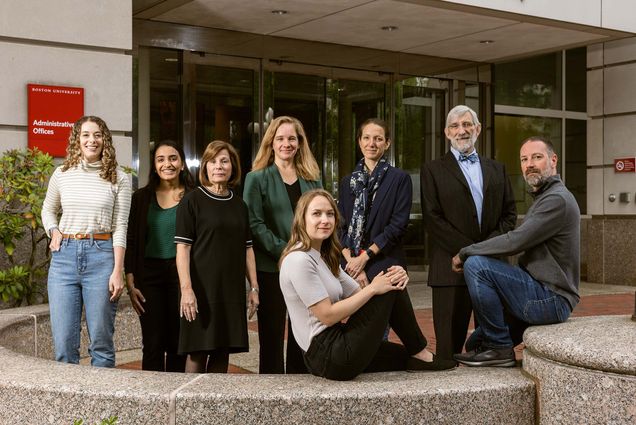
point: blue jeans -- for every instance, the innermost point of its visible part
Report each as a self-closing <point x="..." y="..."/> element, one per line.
<point x="78" y="277"/>
<point x="496" y="288"/>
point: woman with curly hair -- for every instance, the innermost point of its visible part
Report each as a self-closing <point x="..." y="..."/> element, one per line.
<point x="320" y="296"/>
<point x="283" y="170"/>
<point x="85" y="213"/>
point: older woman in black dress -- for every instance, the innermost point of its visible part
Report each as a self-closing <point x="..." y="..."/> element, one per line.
<point x="214" y="255"/>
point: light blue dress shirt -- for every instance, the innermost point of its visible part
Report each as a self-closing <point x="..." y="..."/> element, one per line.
<point x="475" y="179"/>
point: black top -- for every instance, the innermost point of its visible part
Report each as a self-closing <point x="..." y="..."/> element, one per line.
<point x="294" y="193"/>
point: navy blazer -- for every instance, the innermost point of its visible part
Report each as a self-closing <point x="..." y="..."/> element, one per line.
<point x="387" y="221"/>
<point x="451" y="217"/>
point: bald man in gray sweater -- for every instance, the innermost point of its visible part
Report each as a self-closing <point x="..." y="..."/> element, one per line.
<point x="544" y="287"/>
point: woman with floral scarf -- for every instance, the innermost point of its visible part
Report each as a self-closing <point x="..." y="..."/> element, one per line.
<point x="375" y="202"/>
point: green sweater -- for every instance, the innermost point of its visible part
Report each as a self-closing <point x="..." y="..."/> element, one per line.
<point x="270" y="214"/>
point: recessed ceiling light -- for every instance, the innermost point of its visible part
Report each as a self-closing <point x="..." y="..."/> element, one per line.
<point x="487" y="41"/>
<point x="389" y="28"/>
<point x="279" y="12"/>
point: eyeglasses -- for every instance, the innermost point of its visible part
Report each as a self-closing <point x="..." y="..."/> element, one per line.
<point x="466" y="125"/>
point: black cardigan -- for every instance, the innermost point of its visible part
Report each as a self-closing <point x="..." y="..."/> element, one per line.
<point x="136" y="236"/>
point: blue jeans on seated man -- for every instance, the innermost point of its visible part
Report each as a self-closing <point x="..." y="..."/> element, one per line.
<point x="498" y="289"/>
<point x="78" y="277"/>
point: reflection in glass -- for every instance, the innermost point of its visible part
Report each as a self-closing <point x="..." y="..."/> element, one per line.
<point x="302" y="97"/>
<point x="225" y="109"/>
<point x="510" y="132"/>
<point x="533" y="82"/>
<point x="419" y="137"/>
<point x="419" y="130"/>
<point x="576" y="161"/>
<point x="165" y="105"/>
<point x="576" y="79"/>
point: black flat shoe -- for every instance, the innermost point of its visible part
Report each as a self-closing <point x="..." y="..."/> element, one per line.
<point x="484" y="356"/>
<point x="417" y="365"/>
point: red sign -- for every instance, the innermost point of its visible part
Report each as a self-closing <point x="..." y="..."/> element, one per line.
<point x="625" y="165"/>
<point x="52" y="112"/>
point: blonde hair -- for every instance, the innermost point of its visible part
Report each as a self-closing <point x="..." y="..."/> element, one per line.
<point x="300" y="240"/>
<point x="304" y="161"/>
<point x="211" y="151"/>
<point x="74" y="151"/>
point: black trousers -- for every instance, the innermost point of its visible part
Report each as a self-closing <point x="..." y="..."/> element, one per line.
<point x="272" y="313"/>
<point x="451" y="316"/>
<point x="343" y="351"/>
<point x="160" y="322"/>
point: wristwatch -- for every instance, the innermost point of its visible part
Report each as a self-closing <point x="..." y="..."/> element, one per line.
<point x="370" y="253"/>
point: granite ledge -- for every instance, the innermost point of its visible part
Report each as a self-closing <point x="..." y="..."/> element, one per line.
<point x="603" y="343"/>
<point x="39" y="391"/>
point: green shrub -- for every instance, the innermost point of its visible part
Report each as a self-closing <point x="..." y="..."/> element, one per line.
<point x="23" y="182"/>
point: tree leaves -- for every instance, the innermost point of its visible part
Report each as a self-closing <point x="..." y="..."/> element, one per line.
<point x="23" y="182"/>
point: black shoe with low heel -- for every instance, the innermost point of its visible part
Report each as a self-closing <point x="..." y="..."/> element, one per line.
<point x="417" y="365"/>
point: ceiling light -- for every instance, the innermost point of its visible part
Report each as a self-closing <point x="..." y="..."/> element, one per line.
<point x="279" y="12"/>
<point x="171" y="60"/>
<point x="487" y="41"/>
<point x="389" y="28"/>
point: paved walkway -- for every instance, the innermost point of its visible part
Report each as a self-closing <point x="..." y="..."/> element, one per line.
<point x="596" y="300"/>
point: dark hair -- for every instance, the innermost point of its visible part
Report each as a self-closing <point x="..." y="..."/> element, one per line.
<point x="213" y="150"/>
<point x="377" y="121"/>
<point x="548" y="144"/>
<point x="185" y="177"/>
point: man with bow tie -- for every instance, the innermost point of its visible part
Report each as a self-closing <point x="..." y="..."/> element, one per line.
<point x="466" y="198"/>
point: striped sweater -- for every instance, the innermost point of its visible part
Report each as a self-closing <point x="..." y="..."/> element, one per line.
<point x="87" y="203"/>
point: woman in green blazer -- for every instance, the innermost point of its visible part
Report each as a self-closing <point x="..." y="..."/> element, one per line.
<point x="283" y="170"/>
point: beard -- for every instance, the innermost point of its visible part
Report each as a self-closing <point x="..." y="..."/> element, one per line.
<point x="535" y="178"/>
<point x="464" y="145"/>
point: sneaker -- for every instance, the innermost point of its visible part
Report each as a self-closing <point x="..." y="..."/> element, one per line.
<point x="417" y="365"/>
<point x="474" y="340"/>
<point x="485" y="356"/>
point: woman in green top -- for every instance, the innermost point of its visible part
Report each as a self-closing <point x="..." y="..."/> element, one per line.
<point x="151" y="273"/>
<point x="283" y="170"/>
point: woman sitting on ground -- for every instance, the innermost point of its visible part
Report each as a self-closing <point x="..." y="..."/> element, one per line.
<point x="320" y="295"/>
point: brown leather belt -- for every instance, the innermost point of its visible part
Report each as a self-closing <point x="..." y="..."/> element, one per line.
<point x="96" y="236"/>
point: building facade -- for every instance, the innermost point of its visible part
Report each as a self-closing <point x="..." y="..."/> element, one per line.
<point x="195" y="71"/>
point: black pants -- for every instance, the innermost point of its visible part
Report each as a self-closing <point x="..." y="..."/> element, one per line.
<point x="343" y="351"/>
<point x="451" y="316"/>
<point x="160" y="322"/>
<point x="272" y="313"/>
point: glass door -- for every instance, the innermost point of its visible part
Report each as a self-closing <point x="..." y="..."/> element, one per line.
<point x="299" y="96"/>
<point x="419" y="137"/>
<point x="221" y="104"/>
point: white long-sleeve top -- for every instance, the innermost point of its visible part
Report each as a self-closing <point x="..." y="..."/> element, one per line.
<point x="87" y="203"/>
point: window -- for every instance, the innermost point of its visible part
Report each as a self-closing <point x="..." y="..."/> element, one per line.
<point x="528" y="102"/>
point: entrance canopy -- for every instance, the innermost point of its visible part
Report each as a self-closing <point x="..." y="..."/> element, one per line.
<point x="410" y="36"/>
